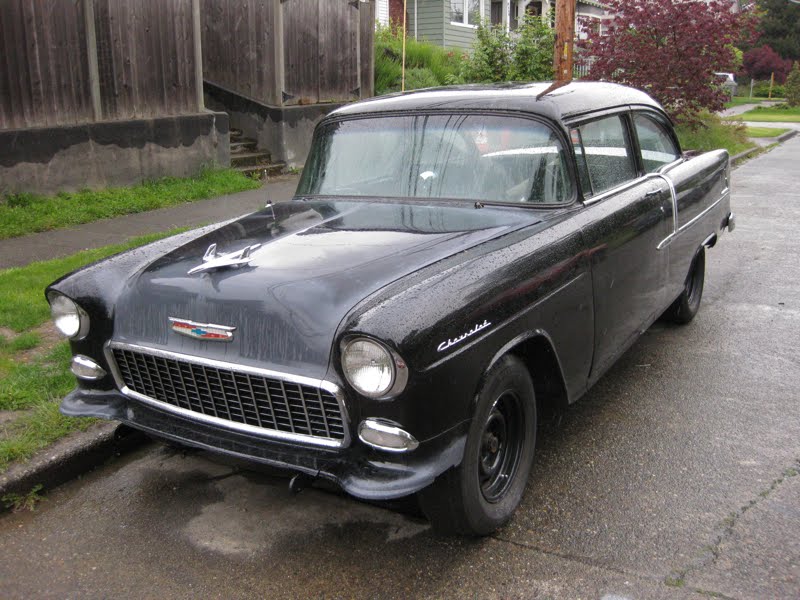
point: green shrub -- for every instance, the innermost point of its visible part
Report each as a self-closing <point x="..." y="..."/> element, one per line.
<point x="532" y="53"/>
<point x="427" y="65"/>
<point x="498" y="56"/>
<point x="417" y="78"/>
<point x="491" y="55"/>
<point x="761" y="90"/>
<point x="792" y="86"/>
<point x="709" y="132"/>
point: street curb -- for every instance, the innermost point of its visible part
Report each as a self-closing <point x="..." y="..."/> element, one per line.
<point x="743" y="156"/>
<point x="69" y="458"/>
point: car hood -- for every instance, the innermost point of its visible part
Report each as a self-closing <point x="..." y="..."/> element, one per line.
<point x="316" y="261"/>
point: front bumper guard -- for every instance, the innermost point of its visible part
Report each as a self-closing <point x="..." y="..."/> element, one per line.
<point x="359" y="470"/>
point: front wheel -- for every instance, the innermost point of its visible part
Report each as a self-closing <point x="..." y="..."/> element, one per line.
<point x="483" y="492"/>
<point x="687" y="304"/>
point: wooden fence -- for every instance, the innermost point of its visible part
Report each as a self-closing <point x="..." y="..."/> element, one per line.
<point x="290" y="52"/>
<point x="75" y="61"/>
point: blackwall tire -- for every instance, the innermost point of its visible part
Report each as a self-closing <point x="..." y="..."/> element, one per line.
<point x="685" y="307"/>
<point x="482" y="493"/>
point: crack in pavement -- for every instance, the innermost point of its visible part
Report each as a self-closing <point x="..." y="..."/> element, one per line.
<point x="583" y="560"/>
<point x="711" y="552"/>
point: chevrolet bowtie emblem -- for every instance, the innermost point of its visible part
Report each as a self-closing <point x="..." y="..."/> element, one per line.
<point x="202" y="331"/>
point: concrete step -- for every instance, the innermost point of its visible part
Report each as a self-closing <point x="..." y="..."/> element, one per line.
<point x="246" y="159"/>
<point x="243" y="145"/>
<point x="257" y="171"/>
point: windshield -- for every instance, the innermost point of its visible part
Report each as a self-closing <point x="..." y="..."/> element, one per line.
<point x="473" y="157"/>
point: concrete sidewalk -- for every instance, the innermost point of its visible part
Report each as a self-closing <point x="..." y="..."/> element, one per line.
<point x="20" y="251"/>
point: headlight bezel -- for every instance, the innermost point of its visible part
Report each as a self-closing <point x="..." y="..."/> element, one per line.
<point x="54" y="298"/>
<point x="399" y="375"/>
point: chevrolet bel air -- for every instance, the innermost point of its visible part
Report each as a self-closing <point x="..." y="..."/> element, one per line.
<point x="454" y="261"/>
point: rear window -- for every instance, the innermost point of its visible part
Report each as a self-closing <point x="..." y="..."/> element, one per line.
<point x="471" y="157"/>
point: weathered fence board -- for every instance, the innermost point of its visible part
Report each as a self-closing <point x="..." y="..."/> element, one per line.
<point x="326" y="46"/>
<point x="43" y="69"/>
<point x="238" y="47"/>
<point x="145" y="58"/>
<point x="302" y="51"/>
<point x="367" y="49"/>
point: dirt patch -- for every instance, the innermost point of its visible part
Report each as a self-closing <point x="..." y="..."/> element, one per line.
<point x="7" y="420"/>
<point x="50" y="339"/>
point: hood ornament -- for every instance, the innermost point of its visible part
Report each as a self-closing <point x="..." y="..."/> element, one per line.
<point x="213" y="261"/>
<point x="202" y="331"/>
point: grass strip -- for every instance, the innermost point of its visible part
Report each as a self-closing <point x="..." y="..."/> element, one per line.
<point x="781" y="113"/>
<point x="21" y="214"/>
<point x="740" y="100"/>
<point x="35" y="386"/>
<point x="46" y="378"/>
<point x="22" y="302"/>
<point x="713" y="134"/>
<point x="765" y="132"/>
<point x="37" y="429"/>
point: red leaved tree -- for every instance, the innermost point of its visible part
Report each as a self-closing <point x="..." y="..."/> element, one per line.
<point x="761" y="63"/>
<point x="670" y="49"/>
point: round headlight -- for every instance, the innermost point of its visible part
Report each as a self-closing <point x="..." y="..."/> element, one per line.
<point x="369" y="367"/>
<point x="69" y="318"/>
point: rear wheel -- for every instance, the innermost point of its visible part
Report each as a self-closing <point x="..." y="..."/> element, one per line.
<point x="687" y="304"/>
<point x="483" y="492"/>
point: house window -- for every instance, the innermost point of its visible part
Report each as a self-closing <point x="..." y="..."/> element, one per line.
<point x="466" y="12"/>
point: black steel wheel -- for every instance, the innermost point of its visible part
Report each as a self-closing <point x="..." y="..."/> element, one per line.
<point x="483" y="492"/>
<point x="501" y="446"/>
<point x="687" y="304"/>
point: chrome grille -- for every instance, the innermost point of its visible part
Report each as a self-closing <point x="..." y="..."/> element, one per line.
<point x="232" y="395"/>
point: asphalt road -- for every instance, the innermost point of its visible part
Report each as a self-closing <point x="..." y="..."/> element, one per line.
<point x="675" y="477"/>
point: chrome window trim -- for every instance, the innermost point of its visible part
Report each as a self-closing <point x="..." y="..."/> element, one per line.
<point x="623" y="187"/>
<point x="328" y="386"/>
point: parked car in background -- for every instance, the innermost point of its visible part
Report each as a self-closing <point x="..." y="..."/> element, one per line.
<point x="454" y="260"/>
<point x="728" y="83"/>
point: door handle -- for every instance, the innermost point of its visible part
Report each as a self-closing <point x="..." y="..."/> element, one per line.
<point x="652" y="193"/>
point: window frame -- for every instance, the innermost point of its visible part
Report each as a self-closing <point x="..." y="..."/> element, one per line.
<point x="556" y="127"/>
<point x="666" y="125"/>
<point x="631" y="143"/>
<point x="465" y="14"/>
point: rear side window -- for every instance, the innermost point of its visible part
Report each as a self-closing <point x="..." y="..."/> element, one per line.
<point x="658" y="148"/>
<point x="604" y="156"/>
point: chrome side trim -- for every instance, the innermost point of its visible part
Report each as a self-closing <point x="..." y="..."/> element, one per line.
<point x="615" y="190"/>
<point x="674" y="195"/>
<point x="232" y="425"/>
<point x="688" y="224"/>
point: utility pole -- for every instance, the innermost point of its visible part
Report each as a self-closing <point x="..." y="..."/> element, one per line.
<point x="565" y="37"/>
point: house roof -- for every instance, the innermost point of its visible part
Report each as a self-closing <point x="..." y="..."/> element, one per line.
<point x="567" y="101"/>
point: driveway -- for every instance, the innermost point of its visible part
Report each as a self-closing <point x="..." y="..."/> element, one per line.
<point x="675" y="477"/>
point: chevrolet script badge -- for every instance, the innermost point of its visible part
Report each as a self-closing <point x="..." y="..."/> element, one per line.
<point x="202" y="331"/>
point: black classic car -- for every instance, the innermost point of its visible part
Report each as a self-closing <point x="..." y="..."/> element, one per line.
<point x="454" y="260"/>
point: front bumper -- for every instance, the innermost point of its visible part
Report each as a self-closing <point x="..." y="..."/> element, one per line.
<point x="359" y="470"/>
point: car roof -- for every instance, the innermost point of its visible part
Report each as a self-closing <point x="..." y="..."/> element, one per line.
<point x="560" y="103"/>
